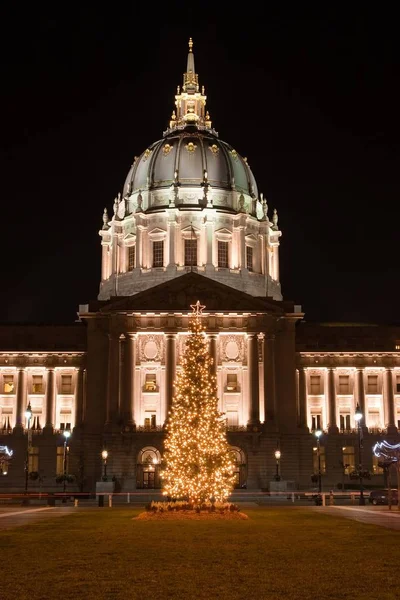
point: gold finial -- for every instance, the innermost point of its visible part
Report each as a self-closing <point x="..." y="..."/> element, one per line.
<point x="190" y="44"/>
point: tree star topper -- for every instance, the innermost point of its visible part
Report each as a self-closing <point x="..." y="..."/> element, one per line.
<point x="197" y="308"/>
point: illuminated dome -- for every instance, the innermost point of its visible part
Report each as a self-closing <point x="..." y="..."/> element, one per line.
<point x="190" y="202"/>
<point x="190" y="156"/>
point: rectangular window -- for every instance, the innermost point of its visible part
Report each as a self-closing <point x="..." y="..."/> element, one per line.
<point x="322" y="459"/>
<point x="223" y="255"/>
<point x="150" y="384"/>
<point x="33" y="459"/>
<point x="8" y="384"/>
<point x="345" y="422"/>
<point x="150" y="419"/>
<point x="249" y="258"/>
<point x="348" y="459"/>
<point x="231" y="382"/>
<point x="35" y="423"/>
<point x="66" y="384"/>
<point x="37" y="384"/>
<point x="65" y="420"/>
<point x="372" y="383"/>
<point x="344" y="384"/>
<point x="316" y="422"/>
<point x="398" y="384"/>
<point x="376" y="469"/>
<point x="131" y="257"/>
<point x="190" y="253"/>
<point x="315" y="384"/>
<point x="158" y="254"/>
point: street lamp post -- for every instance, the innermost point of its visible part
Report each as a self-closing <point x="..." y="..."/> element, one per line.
<point x="277" y="457"/>
<point x="318" y="434"/>
<point x="28" y="416"/>
<point x="358" y="418"/>
<point x="104" y="456"/>
<point x="66" y="434"/>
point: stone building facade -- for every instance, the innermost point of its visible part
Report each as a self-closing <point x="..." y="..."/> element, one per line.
<point x="191" y="225"/>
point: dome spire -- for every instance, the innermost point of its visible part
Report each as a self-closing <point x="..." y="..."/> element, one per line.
<point x="189" y="102"/>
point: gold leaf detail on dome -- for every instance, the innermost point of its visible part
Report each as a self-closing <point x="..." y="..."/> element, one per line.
<point x="234" y="154"/>
<point x="214" y="149"/>
<point x="166" y="149"/>
<point x="191" y="147"/>
<point x="147" y="154"/>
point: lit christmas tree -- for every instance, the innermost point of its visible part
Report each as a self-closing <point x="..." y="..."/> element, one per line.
<point x="198" y="464"/>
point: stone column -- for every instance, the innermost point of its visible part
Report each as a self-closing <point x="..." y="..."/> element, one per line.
<point x="79" y="397"/>
<point x="21" y="398"/>
<point x="104" y="262"/>
<point x="50" y="397"/>
<point x="129" y="395"/>
<point x="171" y="252"/>
<point x="361" y="391"/>
<point x="389" y="403"/>
<point x="209" y="231"/>
<point x="213" y="352"/>
<point x="139" y="253"/>
<point x="302" y="397"/>
<point x="333" y="428"/>
<point x="113" y="379"/>
<point x="170" y="360"/>
<point x="269" y="378"/>
<point x="242" y="249"/>
<point x="254" y="391"/>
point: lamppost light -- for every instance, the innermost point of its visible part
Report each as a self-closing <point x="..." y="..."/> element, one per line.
<point x="104" y="455"/>
<point x="318" y="433"/>
<point x="66" y="434"/>
<point x="358" y="414"/>
<point x="277" y="454"/>
<point x="28" y="412"/>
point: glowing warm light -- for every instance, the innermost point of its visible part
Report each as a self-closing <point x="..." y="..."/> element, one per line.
<point x="66" y="434"/>
<point x="198" y="463"/>
<point x="28" y="412"/>
<point x="358" y="415"/>
<point x="318" y="433"/>
<point x="277" y="454"/>
<point x="104" y="455"/>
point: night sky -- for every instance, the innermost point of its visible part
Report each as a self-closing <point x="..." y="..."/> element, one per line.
<point x="311" y="99"/>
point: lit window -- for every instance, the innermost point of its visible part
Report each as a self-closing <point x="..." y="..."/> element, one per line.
<point x="37" y="384"/>
<point x="8" y="384"/>
<point x="374" y="419"/>
<point x="150" y="383"/>
<point x="348" y="459"/>
<point x="345" y="422"/>
<point x="33" y="459"/>
<point x="249" y="258"/>
<point x="372" y="384"/>
<point x="316" y="422"/>
<point x="377" y="468"/>
<point x="66" y="384"/>
<point x="131" y="258"/>
<point x="223" y="255"/>
<point x="158" y="254"/>
<point x="190" y="252"/>
<point x="344" y="387"/>
<point x="315" y="384"/>
<point x="65" y="419"/>
<point x="150" y="420"/>
<point x="231" y="382"/>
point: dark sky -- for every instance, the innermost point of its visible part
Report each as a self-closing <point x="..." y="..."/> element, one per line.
<point x="312" y="100"/>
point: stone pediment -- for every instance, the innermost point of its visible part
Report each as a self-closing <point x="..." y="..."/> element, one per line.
<point x="179" y="293"/>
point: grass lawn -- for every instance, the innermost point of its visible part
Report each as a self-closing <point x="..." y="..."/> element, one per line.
<point x="278" y="553"/>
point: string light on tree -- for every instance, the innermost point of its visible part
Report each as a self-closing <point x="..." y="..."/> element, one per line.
<point x="197" y="462"/>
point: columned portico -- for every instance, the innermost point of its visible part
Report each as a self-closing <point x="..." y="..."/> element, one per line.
<point x="129" y="392"/>
<point x="333" y="428"/>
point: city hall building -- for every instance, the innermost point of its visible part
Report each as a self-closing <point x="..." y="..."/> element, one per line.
<point x="190" y="224"/>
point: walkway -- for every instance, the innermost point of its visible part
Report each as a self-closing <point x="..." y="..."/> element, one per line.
<point x="374" y="515"/>
<point x="11" y="517"/>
